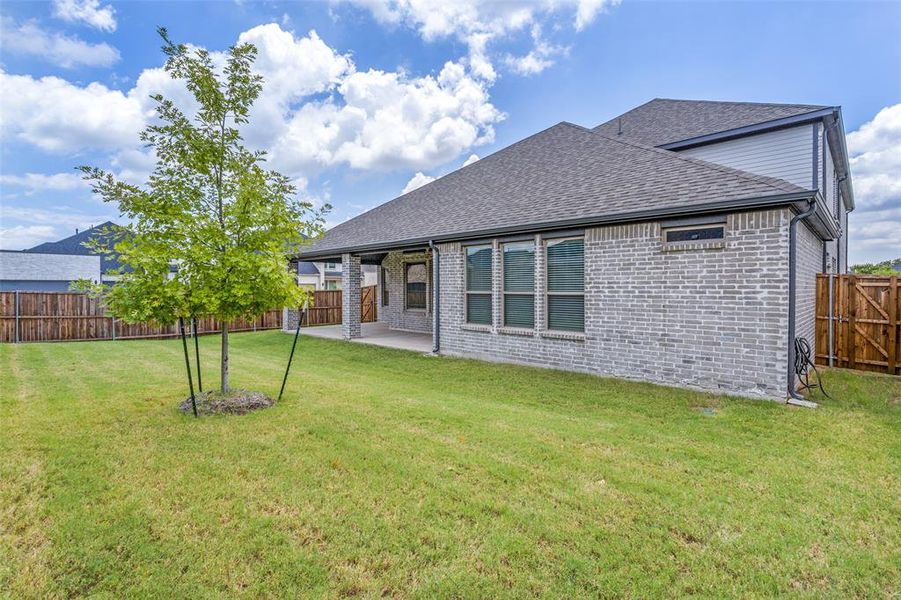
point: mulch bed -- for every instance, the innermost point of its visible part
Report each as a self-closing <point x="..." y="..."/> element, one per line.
<point x="236" y="402"/>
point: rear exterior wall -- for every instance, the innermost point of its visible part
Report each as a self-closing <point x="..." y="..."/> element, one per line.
<point x="711" y="318"/>
<point x="395" y="314"/>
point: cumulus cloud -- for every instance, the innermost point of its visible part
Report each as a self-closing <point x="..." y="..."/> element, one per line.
<point x="316" y="110"/>
<point x="387" y="120"/>
<point x="420" y="179"/>
<point x="62" y="50"/>
<point x="38" y="182"/>
<point x="417" y="181"/>
<point x="875" y="152"/>
<point x="25" y="236"/>
<point x="89" y="12"/>
<point x="55" y="115"/>
<point x="480" y="23"/>
<point x="539" y="58"/>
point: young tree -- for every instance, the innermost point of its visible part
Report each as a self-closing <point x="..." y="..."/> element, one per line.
<point x="209" y="207"/>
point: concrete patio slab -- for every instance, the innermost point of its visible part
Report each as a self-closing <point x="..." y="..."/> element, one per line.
<point x="377" y="334"/>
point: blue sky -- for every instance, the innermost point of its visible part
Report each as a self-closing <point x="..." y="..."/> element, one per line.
<point x="389" y="92"/>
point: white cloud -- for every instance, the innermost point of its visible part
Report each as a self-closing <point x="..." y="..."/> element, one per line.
<point x="316" y="111"/>
<point x="480" y="23"/>
<point x="90" y="12"/>
<point x="417" y="181"/>
<point x="539" y="58"/>
<point x="387" y="120"/>
<point x="587" y="10"/>
<point x="65" y="51"/>
<point x="25" y="236"/>
<point x="38" y="182"/>
<point x="420" y="179"/>
<point x="64" y="216"/>
<point x="56" y="115"/>
<point x="875" y="151"/>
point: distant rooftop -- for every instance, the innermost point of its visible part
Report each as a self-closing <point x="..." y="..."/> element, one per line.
<point x="75" y="244"/>
<point x="664" y="121"/>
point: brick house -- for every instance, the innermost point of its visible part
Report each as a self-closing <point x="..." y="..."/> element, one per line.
<point x="677" y="243"/>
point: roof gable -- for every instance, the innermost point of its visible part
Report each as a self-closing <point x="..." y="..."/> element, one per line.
<point x="664" y="121"/>
<point x="561" y="174"/>
<point x="74" y="244"/>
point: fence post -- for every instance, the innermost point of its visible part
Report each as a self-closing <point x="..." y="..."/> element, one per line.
<point x="852" y="322"/>
<point x="114" y="327"/>
<point x="17" y="316"/>
<point x="830" y="344"/>
<point x="892" y="358"/>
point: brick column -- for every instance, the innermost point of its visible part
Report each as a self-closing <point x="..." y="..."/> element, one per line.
<point x="350" y="299"/>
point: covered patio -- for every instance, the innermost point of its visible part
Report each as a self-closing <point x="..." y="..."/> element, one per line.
<point x="377" y="334"/>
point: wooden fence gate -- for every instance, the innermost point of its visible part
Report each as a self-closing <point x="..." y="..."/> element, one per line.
<point x="326" y="309"/>
<point x="368" y="305"/>
<point x="865" y="311"/>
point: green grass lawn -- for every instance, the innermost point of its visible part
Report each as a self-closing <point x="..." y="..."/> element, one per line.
<point x="385" y="472"/>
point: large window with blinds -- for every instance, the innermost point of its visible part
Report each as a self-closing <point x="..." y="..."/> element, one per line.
<point x="566" y="284"/>
<point x="478" y="285"/>
<point x="519" y="284"/>
<point x="416" y="276"/>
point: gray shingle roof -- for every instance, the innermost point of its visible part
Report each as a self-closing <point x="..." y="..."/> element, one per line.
<point x="561" y="174"/>
<point x="306" y="268"/>
<point x="74" y="244"/>
<point x="664" y="121"/>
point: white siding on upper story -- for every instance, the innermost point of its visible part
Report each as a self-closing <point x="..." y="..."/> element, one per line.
<point x="785" y="153"/>
<point x="829" y="185"/>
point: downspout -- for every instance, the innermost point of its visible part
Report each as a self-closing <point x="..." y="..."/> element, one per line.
<point x="436" y="311"/>
<point x="794" y="397"/>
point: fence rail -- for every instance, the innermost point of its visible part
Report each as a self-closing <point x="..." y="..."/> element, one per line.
<point x="861" y="315"/>
<point x="69" y="316"/>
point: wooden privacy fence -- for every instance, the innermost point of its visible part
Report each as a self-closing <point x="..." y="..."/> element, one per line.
<point x="863" y="327"/>
<point x="68" y="316"/>
<point x="326" y="309"/>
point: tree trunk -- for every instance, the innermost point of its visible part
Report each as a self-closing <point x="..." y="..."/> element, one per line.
<point x="223" y="378"/>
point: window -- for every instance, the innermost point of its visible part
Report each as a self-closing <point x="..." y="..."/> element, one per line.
<point x="566" y="284"/>
<point x="331" y="266"/>
<point x="332" y="284"/>
<point x="384" y="272"/>
<point x="519" y="284"/>
<point x="478" y="285"/>
<point x="417" y="277"/>
<point x="694" y="234"/>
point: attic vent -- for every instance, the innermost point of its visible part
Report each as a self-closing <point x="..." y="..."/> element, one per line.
<point x="619" y="125"/>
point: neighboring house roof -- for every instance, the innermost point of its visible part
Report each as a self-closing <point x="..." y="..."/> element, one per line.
<point x="74" y="244"/>
<point x="563" y="176"/>
<point x="663" y="121"/>
<point x="306" y="268"/>
<point x="333" y="274"/>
